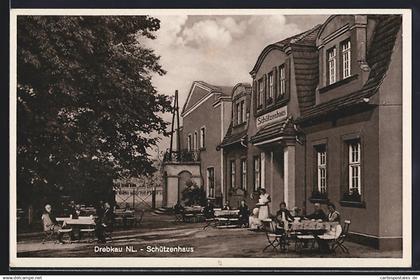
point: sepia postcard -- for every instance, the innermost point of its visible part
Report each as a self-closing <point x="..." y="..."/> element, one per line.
<point x="221" y="138"/>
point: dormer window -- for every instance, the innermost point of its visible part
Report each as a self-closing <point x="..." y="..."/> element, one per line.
<point x="260" y="99"/>
<point x="282" y="73"/>
<point x="240" y="112"/>
<point x="243" y="116"/>
<point x="332" y="65"/>
<point x="346" y="57"/>
<point x="270" y="88"/>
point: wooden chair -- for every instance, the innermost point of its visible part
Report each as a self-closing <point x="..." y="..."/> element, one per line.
<point x="188" y="217"/>
<point x="210" y="222"/>
<point x="88" y="231"/>
<point x="304" y="239"/>
<point x="178" y="217"/>
<point x="332" y="236"/>
<point x="338" y="243"/>
<point x="66" y="232"/>
<point x="48" y="236"/>
<point x="274" y="240"/>
<point x="119" y="221"/>
<point x="139" y="218"/>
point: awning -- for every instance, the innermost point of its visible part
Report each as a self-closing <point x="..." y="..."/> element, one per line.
<point x="233" y="138"/>
<point x="274" y="132"/>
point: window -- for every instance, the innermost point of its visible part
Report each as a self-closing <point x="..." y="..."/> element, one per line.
<point x="243" y="174"/>
<point x="202" y="137"/>
<point x="346" y="57"/>
<point x="332" y="63"/>
<point x="282" y="73"/>
<point x="210" y="182"/>
<point x="260" y="95"/>
<point x="243" y="113"/>
<point x="232" y="174"/>
<point x="355" y="167"/>
<point x="195" y="141"/>
<point x="257" y="173"/>
<point x="240" y="112"/>
<point x="270" y="88"/>
<point x="189" y="146"/>
<point x="321" y="153"/>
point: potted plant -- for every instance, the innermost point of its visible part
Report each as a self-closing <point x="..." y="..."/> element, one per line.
<point x="316" y="194"/>
<point x="352" y="195"/>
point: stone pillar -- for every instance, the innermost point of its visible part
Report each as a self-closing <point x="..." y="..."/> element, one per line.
<point x="222" y="177"/>
<point x="172" y="196"/>
<point x="289" y="176"/>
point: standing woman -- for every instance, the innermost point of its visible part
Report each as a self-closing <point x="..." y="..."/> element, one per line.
<point x="263" y="202"/>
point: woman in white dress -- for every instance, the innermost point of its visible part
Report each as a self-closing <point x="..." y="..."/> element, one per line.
<point x="263" y="202"/>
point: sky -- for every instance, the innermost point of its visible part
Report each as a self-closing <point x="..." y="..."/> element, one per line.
<point x="220" y="50"/>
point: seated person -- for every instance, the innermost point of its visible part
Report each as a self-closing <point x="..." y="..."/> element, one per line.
<point x="318" y="213"/>
<point x="99" y="208"/>
<point x="227" y="206"/>
<point x="254" y="222"/>
<point x="283" y="215"/>
<point x="104" y="223"/>
<point x="208" y="210"/>
<point x="243" y="214"/>
<point x="333" y="215"/>
<point x="50" y="223"/>
<point x="178" y="208"/>
<point x="76" y="212"/>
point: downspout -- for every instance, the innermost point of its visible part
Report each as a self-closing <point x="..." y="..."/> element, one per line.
<point x="302" y="141"/>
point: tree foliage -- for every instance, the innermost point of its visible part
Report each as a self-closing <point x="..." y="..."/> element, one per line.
<point x="86" y="104"/>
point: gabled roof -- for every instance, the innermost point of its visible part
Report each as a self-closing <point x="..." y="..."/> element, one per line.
<point x="378" y="59"/>
<point x="307" y="38"/>
<point x="200" y="90"/>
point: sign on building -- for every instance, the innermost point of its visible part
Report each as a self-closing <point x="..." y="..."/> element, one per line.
<point x="273" y="116"/>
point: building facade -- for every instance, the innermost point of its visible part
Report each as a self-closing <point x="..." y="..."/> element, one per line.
<point x="205" y="116"/>
<point x="234" y="146"/>
<point x="354" y="130"/>
<point x="325" y="125"/>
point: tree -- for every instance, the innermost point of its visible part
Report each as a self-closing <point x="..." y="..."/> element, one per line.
<point x="86" y="104"/>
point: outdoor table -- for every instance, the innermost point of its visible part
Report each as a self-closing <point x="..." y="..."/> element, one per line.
<point x="311" y="227"/>
<point x="121" y="216"/>
<point x="226" y="218"/>
<point x="80" y="221"/>
<point x="193" y="214"/>
<point x="77" y="224"/>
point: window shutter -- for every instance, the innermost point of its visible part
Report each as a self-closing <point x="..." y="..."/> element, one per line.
<point x="255" y="95"/>
<point x="265" y="89"/>
<point x="275" y="81"/>
<point x="287" y="77"/>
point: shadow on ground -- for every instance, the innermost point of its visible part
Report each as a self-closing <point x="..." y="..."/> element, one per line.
<point x="158" y="234"/>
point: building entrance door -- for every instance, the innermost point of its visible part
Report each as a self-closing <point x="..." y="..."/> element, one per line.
<point x="183" y="177"/>
<point x="277" y="178"/>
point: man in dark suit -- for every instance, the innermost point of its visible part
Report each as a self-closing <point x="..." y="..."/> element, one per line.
<point x="243" y="214"/>
<point x="208" y="210"/>
<point x="283" y="214"/>
<point x="318" y="213"/>
<point x="104" y="223"/>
